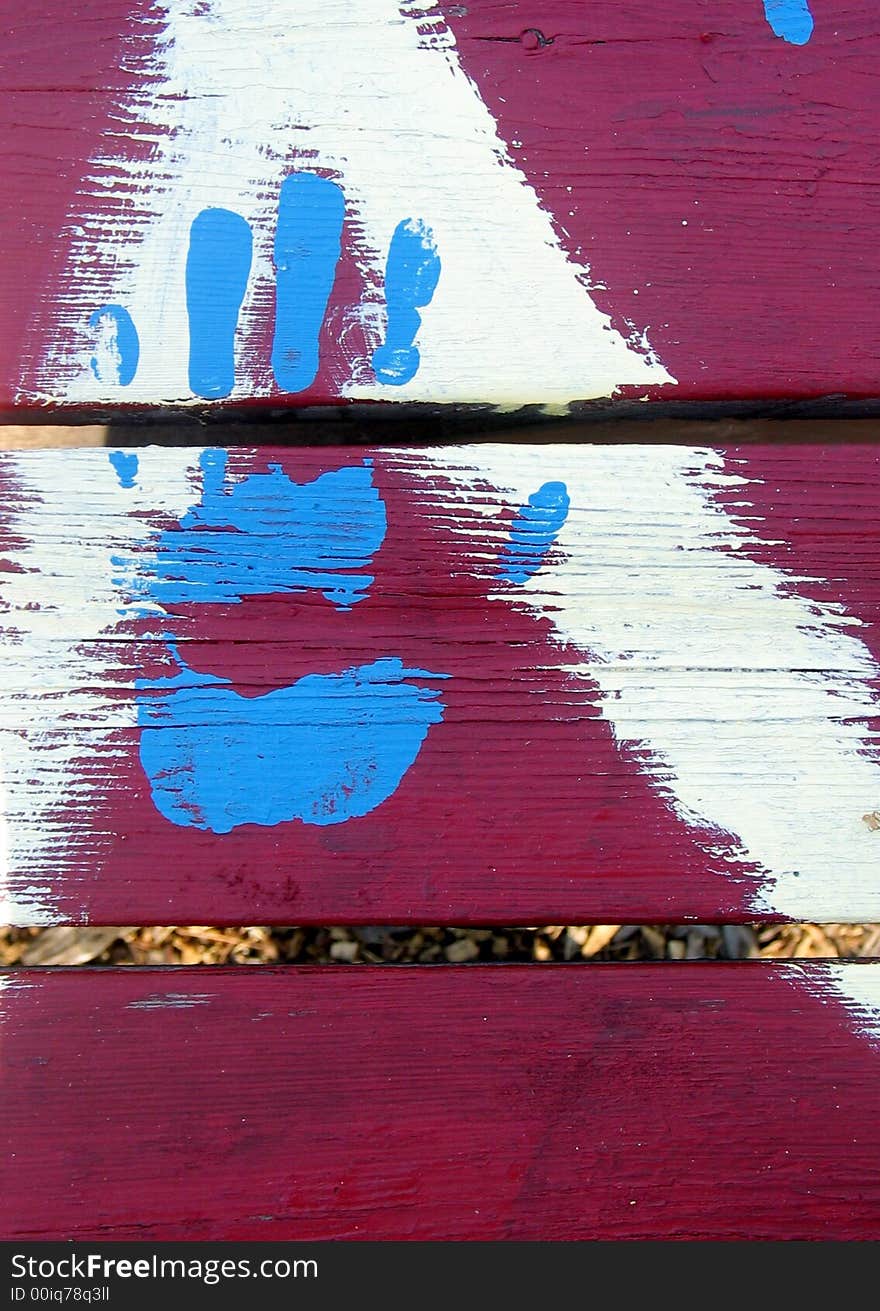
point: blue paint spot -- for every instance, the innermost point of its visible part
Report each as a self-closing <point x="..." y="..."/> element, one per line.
<point x="790" y="19"/>
<point x="126" y="465"/>
<point x="327" y="749"/>
<point x="411" y="277"/>
<point x="307" y="247"/>
<point x="218" y="265"/>
<point x="534" y="531"/>
<point x="116" y="357"/>
<point x="266" y="535"/>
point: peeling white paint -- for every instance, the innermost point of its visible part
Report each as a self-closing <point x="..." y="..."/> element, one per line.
<point x="250" y="89"/>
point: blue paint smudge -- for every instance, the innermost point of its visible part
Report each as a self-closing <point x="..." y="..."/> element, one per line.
<point x="790" y="19"/>
<point x="327" y="749"/>
<point x="218" y="265"/>
<point x="264" y="535"/>
<point x="307" y="247"/>
<point x="534" y="531"/>
<point x="117" y="362"/>
<point x="411" y="277"/>
<point x="126" y="465"/>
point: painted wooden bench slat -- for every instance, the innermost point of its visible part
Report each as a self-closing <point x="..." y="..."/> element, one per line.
<point x="194" y="214"/>
<point x="712" y="1101"/>
<point x="501" y="684"/>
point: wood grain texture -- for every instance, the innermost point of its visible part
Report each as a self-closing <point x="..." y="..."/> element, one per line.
<point x="712" y="1101"/>
<point x="490" y="684"/>
<point x="625" y="202"/>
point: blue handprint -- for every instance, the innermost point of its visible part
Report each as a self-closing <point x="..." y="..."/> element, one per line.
<point x="308" y="244"/>
<point x="329" y="747"/>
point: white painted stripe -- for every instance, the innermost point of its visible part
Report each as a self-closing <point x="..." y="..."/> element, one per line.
<point x="247" y="90"/>
<point x="73" y="517"/>
<point x="744" y="700"/>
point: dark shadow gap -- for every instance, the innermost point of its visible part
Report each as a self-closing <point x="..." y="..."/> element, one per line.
<point x="380" y="417"/>
<point x="349" y="428"/>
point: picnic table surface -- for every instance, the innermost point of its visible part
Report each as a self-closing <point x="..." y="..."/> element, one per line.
<point x="538" y="202"/>
<point x="480" y="1102"/>
<point x="497" y="683"/>
<point x="511" y="682"/>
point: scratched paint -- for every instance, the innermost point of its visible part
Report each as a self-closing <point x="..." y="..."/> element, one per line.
<point x="217" y="268"/>
<point x="533" y="532"/>
<point x="411" y="276"/>
<point x="116" y="347"/>
<point x="170" y="1001"/>
<point x="308" y="242"/>
<point x="325" y="750"/>
<point x="263" y="535"/>
<point x="217" y="143"/>
<point x="790" y="19"/>
<point x="11" y="983"/>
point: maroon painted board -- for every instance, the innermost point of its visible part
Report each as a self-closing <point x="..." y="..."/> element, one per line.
<point x="560" y="1102"/>
<point x="504" y="684"/>
<point x="598" y="200"/>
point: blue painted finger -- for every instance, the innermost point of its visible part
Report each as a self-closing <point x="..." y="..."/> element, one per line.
<point x="308" y="242"/>
<point x="534" y="531"/>
<point x="411" y="277"/>
<point x="217" y="269"/>
<point x="126" y="465"/>
<point x="117" y="347"/>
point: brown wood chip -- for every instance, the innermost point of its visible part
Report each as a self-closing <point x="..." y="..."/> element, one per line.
<point x="69" y="946"/>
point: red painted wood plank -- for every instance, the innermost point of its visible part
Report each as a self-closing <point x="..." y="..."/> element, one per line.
<point x="488" y="684"/>
<point x="625" y="202"/>
<point x="712" y="1101"/>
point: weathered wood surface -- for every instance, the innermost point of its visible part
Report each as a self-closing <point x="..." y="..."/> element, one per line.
<point x="589" y="200"/>
<point x="713" y="1101"/>
<point x="466" y="684"/>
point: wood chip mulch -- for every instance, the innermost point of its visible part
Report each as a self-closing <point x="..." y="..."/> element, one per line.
<point x="196" y="945"/>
